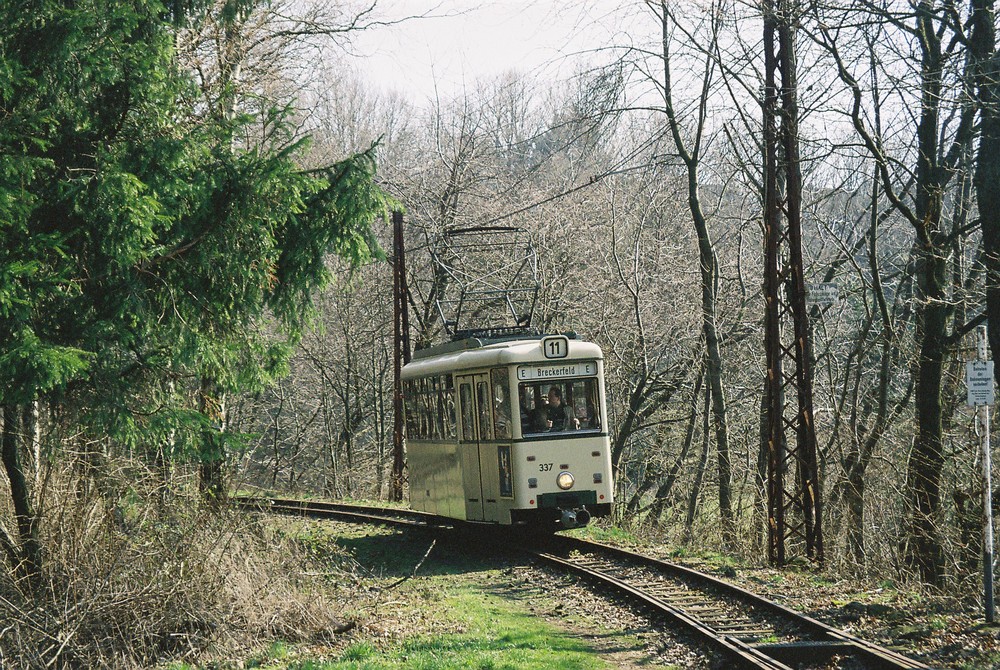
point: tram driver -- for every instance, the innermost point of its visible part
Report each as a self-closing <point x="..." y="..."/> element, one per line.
<point x="559" y="415"/>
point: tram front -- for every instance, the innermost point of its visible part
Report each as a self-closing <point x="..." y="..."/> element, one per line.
<point x="561" y="456"/>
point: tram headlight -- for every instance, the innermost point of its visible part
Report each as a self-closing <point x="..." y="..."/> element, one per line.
<point x="565" y="480"/>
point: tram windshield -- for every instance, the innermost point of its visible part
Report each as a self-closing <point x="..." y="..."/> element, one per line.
<point x="559" y="406"/>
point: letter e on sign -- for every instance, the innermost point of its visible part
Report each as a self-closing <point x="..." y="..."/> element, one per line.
<point x="555" y="346"/>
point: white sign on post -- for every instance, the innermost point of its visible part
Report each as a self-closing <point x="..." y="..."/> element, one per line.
<point x="979" y="381"/>
<point x="824" y="294"/>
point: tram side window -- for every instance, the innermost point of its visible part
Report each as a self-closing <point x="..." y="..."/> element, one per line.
<point x="426" y="420"/>
<point x="417" y="402"/>
<point x="585" y="404"/>
<point x="560" y="406"/>
<point x="447" y="400"/>
<point x="501" y="404"/>
<point x="429" y="408"/>
<point x="440" y="413"/>
<point x="468" y="415"/>
<point x="485" y="410"/>
<point x="412" y="411"/>
<point x="433" y="392"/>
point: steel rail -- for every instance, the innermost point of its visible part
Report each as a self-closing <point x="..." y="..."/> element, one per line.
<point x="355" y="513"/>
<point x="689" y="610"/>
<point x="732" y="647"/>
<point x="828" y="640"/>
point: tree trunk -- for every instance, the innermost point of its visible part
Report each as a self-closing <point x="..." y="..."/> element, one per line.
<point x="987" y="175"/>
<point x="163" y="459"/>
<point x="30" y="555"/>
<point x="854" y="501"/>
<point x="663" y="492"/>
<point x="211" y="403"/>
<point x="692" y="506"/>
<point x="276" y="437"/>
<point x="33" y="442"/>
<point x="927" y="457"/>
<point x="760" y="508"/>
<point x="709" y="265"/>
<point x="926" y="551"/>
<point x="709" y="274"/>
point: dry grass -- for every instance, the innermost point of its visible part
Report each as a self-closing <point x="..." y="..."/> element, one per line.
<point x="130" y="581"/>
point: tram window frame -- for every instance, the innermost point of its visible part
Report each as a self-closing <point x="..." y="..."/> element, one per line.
<point x="500" y="398"/>
<point x="467" y="394"/>
<point x="484" y="410"/>
<point x="429" y="408"/>
<point x="582" y="394"/>
<point x="410" y="409"/>
<point x="449" y="404"/>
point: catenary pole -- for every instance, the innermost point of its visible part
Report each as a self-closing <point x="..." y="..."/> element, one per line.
<point x="400" y="351"/>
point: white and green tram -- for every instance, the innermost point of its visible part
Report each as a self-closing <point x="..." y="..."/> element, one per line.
<point x="509" y="431"/>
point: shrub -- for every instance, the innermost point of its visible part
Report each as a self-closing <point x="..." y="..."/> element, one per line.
<point x="135" y="577"/>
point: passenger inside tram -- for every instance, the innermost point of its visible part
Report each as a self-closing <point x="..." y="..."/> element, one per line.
<point x="559" y="416"/>
<point x="559" y="406"/>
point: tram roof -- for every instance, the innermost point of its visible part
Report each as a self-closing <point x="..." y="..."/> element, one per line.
<point x="474" y="354"/>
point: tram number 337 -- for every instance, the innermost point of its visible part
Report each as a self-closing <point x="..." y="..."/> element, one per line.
<point x="545" y="467"/>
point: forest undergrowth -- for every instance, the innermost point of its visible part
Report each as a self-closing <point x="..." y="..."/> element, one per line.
<point x="135" y="574"/>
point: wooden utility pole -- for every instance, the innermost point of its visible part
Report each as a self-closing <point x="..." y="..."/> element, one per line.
<point x="401" y="353"/>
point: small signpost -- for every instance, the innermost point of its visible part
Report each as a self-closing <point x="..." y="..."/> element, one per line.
<point x="980" y="388"/>
<point x="979" y="380"/>
<point x="822" y="294"/>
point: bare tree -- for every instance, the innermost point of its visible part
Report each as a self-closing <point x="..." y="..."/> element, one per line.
<point x="690" y="152"/>
<point x="938" y="148"/>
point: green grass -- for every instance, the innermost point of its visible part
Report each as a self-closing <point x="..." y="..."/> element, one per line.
<point x="458" y="612"/>
<point x="476" y="630"/>
<point x="608" y="535"/>
<point x="480" y="631"/>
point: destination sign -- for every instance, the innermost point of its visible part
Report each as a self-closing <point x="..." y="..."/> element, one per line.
<point x="532" y="372"/>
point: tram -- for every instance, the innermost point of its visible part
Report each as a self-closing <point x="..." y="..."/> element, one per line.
<point x="509" y="431"/>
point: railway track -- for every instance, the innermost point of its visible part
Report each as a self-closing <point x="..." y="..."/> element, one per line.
<point x="346" y="512"/>
<point x="751" y="630"/>
<point x="748" y="629"/>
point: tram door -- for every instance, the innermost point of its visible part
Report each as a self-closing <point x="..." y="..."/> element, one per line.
<point x="477" y="427"/>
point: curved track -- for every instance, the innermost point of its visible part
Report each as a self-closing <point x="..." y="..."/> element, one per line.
<point x="753" y="631"/>
<point x="357" y="513"/>
<point x="750" y="630"/>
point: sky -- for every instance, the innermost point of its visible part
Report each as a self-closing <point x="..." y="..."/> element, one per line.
<point x="463" y="41"/>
